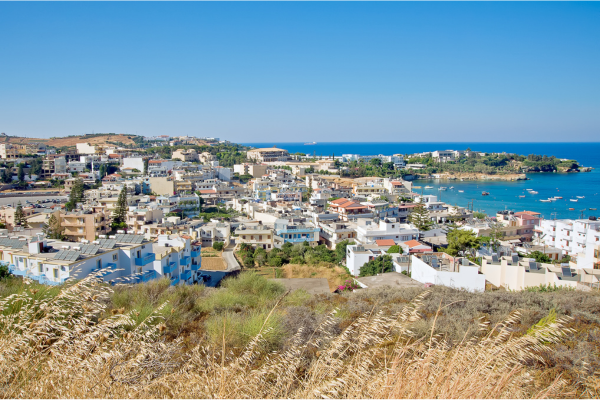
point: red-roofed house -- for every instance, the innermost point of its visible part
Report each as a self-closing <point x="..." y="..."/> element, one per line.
<point x="347" y="208"/>
<point x="414" y="246"/>
<point x="385" y="242"/>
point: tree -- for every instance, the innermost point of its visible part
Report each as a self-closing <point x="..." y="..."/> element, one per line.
<point x="419" y="217"/>
<point x="540" y="257"/>
<point x="395" y="249"/>
<point x="218" y="246"/>
<point x="21" y="173"/>
<point x="479" y="215"/>
<point x="6" y="175"/>
<point x="340" y="249"/>
<point x="20" y="216"/>
<point x="496" y="234"/>
<point x="379" y="265"/>
<point x="120" y="212"/>
<point x="76" y="195"/>
<point x="52" y="229"/>
<point x="145" y="166"/>
<point x="375" y="162"/>
<point x="462" y="242"/>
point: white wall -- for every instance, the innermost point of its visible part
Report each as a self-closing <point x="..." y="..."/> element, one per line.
<point x="467" y="278"/>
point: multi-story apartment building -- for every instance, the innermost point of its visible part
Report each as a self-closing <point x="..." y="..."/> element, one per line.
<point x="269" y="154"/>
<point x="137" y="218"/>
<point x="215" y="232"/>
<point x="256" y="170"/>
<point x="349" y="209"/>
<point x="9" y="152"/>
<point x="7" y="215"/>
<point x="88" y="224"/>
<point x="332" y="233"/>
<point x="259" y="236"/>
<point x="294" y="232"/>
<point x="119" y="258"/>
<point x="368" y="232"/>
<point x="567" y="234"/>
<point x="186" y="155"/>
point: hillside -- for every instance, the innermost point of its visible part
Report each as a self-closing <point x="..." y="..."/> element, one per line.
<point x="71" y="141"/>
<point x="252" y="339"/>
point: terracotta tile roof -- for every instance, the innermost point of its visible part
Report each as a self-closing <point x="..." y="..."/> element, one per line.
<point x="385" y="242"/>
<point x="207" y="191"/>
<point x="413" y="243"/>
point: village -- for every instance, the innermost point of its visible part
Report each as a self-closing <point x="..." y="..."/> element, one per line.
<point x="165" y="209"/>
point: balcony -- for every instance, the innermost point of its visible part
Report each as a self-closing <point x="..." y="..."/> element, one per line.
<point x="195" y="253"/>
<point x="186" y="275"/>
<point x="185" y="261"/>
<point x="147" y="276"/>
<point x="174" y="281"/>
<point x="195" y="267"/>
<point x="299" y="240"/>
<point x="148" y="258"/>
<point x="167" y="269"/>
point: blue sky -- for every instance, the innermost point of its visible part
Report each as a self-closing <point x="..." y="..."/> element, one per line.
<point x="252" y="72"/>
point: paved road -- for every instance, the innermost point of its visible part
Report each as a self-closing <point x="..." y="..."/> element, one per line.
<point x="232" y="264"/>
<point x="14" y="200"/>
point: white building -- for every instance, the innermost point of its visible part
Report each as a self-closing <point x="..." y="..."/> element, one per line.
<point x="368" y="231"/>
<point x="445" y="270"/>
<point x="569" y="235"/>
<point x="134" y="163"/>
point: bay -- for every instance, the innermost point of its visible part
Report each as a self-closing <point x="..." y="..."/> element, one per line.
<point x="503" y="195"/>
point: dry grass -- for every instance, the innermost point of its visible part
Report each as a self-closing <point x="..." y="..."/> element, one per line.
<point x="60" y="346"/>
<point x="213" y="264"/>
<point x="72" y="141"/>
<point x="335" y="275"/>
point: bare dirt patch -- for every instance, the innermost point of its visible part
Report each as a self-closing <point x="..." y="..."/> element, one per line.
<point x="335" y="275"/>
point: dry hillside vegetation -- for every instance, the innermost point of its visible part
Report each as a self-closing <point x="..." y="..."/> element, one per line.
<point x="335" y="275"/>
<point x="252" y="339"/>
<point x="71" y="141"/>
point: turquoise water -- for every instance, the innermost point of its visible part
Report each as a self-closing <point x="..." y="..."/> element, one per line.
<point x="503" y="195"/>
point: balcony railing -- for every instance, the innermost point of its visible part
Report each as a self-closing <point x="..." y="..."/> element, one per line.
<point x="185" y="261"/>
<point x="174" y="281"/>
<point x="195" y="267"/>
<point x="195" y="253"/>
<point x="167" y="269"/>
<point x="299" y="240"/>
<point x="147" y="276"/>
<point x="148" y="258"/>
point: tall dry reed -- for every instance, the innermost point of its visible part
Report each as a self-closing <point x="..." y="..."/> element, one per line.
<point x="60" y="347"/>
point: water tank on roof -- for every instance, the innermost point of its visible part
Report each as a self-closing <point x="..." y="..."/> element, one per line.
<point x="592" y="218"/>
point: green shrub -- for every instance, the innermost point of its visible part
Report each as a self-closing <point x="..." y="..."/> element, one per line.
<point x="218" y="246"/>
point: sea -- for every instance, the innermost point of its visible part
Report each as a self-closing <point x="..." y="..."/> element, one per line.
<point x="504" y="195"/>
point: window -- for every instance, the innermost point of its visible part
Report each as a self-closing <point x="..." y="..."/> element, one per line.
<point x="55" y="273"/>
<point x="115" y="257"/>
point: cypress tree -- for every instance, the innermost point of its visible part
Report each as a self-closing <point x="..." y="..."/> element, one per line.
<point x="52" y="229"/>
<point x="419" y="217"/>
<point x="120" y="212"/>
<point x="20" y="216"/>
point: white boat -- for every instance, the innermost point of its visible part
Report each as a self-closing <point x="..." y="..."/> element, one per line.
<point x="533" y="192"/>
<point x="428" y="187"/>
<point x="558" y="197"/>
<point x="451" y="187"/>
<point x="521" y="196"/>
<point x="461" y="191"/>
<point x="442" y="188"/>
<point x="529" y="190"/>
<point x="575" y="200"/>
<point x="580" y="197"/>
<point x="545" y="201"/>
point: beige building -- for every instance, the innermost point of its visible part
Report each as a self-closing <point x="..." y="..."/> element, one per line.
<point x="8" y="151"/>
<point x="259" y="236"/>
<point x="87" y="224"/>
<point x="162" y="185"/>
<point x="515" y="273"/>
<point x="186" y="155"/>
<point x="7" y="215"/>
<point x="138" y="218"/>
<point x="269" y="154"/>
<point x="256" y="170"/>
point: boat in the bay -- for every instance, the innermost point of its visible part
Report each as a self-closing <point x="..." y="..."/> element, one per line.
<point x="485" y="193"/>
<point x="574" y="200"/>
<point x="521" y="197"/>
<point x="545" y="201"/>
<point x="580" y="197"/>
<point x="461" y="191"/>
<point x="428" y="187"/>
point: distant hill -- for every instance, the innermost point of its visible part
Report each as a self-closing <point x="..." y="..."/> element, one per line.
<point x="71" y="141"/>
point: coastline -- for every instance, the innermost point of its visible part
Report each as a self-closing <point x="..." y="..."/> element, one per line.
<point x="473" y="176"/>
